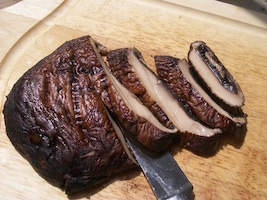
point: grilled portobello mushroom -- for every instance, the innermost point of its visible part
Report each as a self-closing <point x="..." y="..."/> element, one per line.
<point x="56" y="113"/>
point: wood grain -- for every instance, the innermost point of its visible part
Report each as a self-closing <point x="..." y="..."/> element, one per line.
<point x="237" y="171"/>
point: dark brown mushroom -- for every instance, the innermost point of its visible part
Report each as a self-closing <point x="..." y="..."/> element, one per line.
<point x="215" y="79"/>
<point x="175" y="73"/>
<point x="130" y="112"/>
<point x="56" y="115"/>
<point x="169" y="104"/>
<point x="122" y="70"/>
<point x="57" y="121"/>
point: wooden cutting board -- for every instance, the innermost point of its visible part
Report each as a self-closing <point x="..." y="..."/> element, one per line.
<point x="32" y="29"/>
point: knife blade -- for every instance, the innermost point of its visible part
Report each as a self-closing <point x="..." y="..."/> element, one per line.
<point x="163" y="173"/>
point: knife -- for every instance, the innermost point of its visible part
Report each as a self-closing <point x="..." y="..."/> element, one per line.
<point x="165" y="177"/>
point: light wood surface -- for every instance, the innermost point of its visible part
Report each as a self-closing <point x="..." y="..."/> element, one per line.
<point x="32" y="29"/>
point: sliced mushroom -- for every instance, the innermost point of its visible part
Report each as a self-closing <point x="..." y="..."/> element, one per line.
<point x="159" y="93"/>
<point x="124" y="73"/>
<point x="128" y="109"/>
<point x="175" y="73"/>
<point x="55" y="114"/>
<point x="215" y="78"/>
<point x="184" y="67"/>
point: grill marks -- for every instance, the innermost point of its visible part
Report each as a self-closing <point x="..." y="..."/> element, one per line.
<point x="56" y="119"/>
<point x="63" y="93"/>
<point x="68" y="88"/>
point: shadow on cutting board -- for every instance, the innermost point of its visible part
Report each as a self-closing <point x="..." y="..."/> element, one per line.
<point x="87" y="193"/>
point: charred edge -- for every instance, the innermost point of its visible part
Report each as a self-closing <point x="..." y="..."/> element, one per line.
<point x="203" y="146"/>
<point x="46" y="87"/>
<point x="75" y="99"/>
<point x="227" y="81"/>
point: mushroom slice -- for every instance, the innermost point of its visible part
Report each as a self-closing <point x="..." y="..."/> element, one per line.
<point x="176" y="74"/>
<point x="169" y="104"/>
<point x="214" y="77"/>
<point x="130" y="112"/>
<point x="124" y="73"/>
<point x="184" y="67"/>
